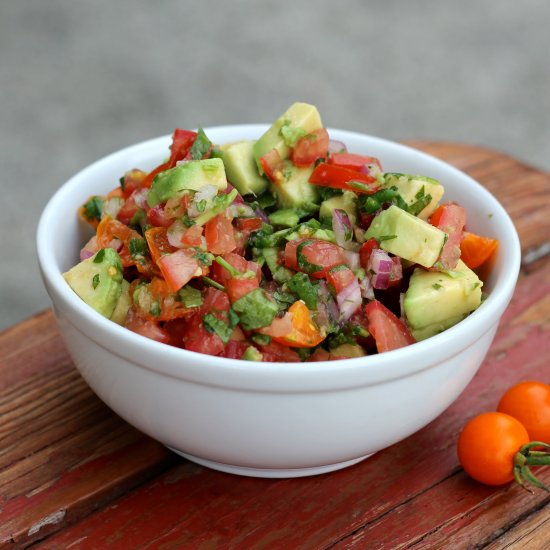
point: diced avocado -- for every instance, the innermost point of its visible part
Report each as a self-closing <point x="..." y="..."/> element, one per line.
<point x="348" y="350"/>
<point x="189" y="175"/>
<point x="436" y="300"/>
<point x="415" y="190"/>
<point x="241" y="170"/>
<point x="287" y="217"/>
<point x="347" y="202"/>
<point x="219" y="204"/>
<point x="252" y="354"/>
<point x="123" y="304"/>
<point x="294" y="190"/>
<point x="98" y="280"/>
<point x="279" y="272"/>
<point x="407" y="236"/>
<point x="299" y="119"/>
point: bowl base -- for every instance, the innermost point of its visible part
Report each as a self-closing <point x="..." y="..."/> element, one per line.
<point x="267" y="472"/>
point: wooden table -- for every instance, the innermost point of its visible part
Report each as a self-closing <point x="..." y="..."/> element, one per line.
<point x="74" y="475"/>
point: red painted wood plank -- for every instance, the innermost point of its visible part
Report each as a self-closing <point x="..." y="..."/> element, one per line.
<point x="353" y="506"/>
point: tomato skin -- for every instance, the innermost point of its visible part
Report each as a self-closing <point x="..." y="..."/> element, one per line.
<point x="450" y="218"/>
<point x="197" y="338"/>
<point x="178" y="268"/>
<point x="388" y="331"/>
<point x="271" y="164"/>
<point x="274" y="352"/>
<point x="158" y="217"/>
<point x="309" y="148"/>
<point x="487" y="446"/>
<point x="366" y="250"/>
<point x="220" y="238"/>
<point x="353" y="161"/>
<point x="248" y="224"/>
<point x="316" y="252"/>
<point x="146" y="327"/>
<point x="476" y="250"/>
<point x="529" y="402"/>
<point x="108" y="230"/>
<point x="340" y="278"/>
<point x="237" y="287"/>
<point x="338" y="177"/>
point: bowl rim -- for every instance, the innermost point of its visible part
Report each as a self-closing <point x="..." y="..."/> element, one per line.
<point x="181" y="363"/>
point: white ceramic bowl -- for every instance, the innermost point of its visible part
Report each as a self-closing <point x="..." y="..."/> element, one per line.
<point x="272" y="419"/>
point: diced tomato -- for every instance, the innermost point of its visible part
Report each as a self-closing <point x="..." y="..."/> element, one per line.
<point x="146" y="327"/>
<point x="317" y="256"/>
<point x="179" y="267"/>
<point x="148" y="180"/>
<point x="340" y="277"/>
<point x="250" y="224"/>
<point x="365" y="220"/>
<point x="197" y="338"/>
<point x="114" y="234"/>
<point x="182" y="141"/>
<point x="214" y="300"/>
<point x="476" y="250"/>
<point x="338" y="177"/>
<point x="272" y="164"/>
<point x="221" y="275"/>
<point x="128" y="210"/>
<point x="319" y="354"/>
<point x="388" y="331"/>
<point x="192" y="236"/>
<point x="304" y="332"/>
<point x="176" y="328"/>
<point x="310" y="147"/>
<point x="235" y="349"/>
<point x="158" y="302"/>
<point x="132" y="181"/>
<point x="157" y="241"/>
<point x="274" y="352"/>
<point x="237" y="287"/>
<point x="353" y="161"/>
<point x="366" y="250"/>
<point x="219" y="235"/>
<point x="159" y="217"/>
<point x="450" y="218"/>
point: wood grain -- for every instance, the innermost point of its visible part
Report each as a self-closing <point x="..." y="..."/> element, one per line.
<point x="74" y="474"/>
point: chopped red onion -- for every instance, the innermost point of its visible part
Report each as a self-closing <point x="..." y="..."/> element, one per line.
<point x="205" y="193"/>
<point x="371" y="169"/>
<point x="140" y="198"/>
<point x="367" y="291"/>
<point x="380" y="266"/>
<point x="89" y="249"/>
<point x="238" y="199"/>
<point x="349" y="299"/>
<point x="397" y="269"/>
<point x="111" y="207"/>
<point x="336" y="147"/>
<point x="261" y="214"/>
<point x="353" y="259"/>
<point x="175" y="233"/>
<point x="343" y="230"/>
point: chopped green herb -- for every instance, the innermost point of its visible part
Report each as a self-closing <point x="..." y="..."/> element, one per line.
<point x="302" y="286"/>
<point x="233" y="318"/>
<point x="437" y="286"/>
<point x="210" y="282"/>
<point x="200" y="146"/>
<point x="191" y="297"/>
<point x="370" y="204"/>
<point x="204" y="258"/>
<point x="216" y="326"/>
<point x="99" y="257"/>
<point x="93" y="208"/>
<point x="137" y="248"/>
<point x="284" y="299"/>
<point x="201" y="205"/>
<point x="256" y="310"/>
<point x="122" y="182"/>
<point x="219" y="204"/>
<point x="386" y="238"/>
<point x="95" y="280"/>
<point x="303" y="262"/>
<point x="422" y="200"/>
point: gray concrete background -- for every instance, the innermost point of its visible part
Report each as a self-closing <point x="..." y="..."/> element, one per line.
<point x="79" y="80"/>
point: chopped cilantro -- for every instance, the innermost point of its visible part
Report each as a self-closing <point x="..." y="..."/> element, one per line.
<point x="200" y="146"/>
<point x="233" y="318"/>
<point x="302" y="286"/>
<point x="437" y="286"/>
<point x="93" y="208"/>
<point x="204" y="258"/>
<point x="303" y="262"/>
<point x="191" y="297"/>
<point x="95" y="280"/>
<point x="216" y="326"/>
<point x="370" y="204"/>
<point x="210" y="282"/>
<point x="256" y="310"/>
<point x="99" y="257"/>
<point x="137" y="248"/>
<point x="201" y="205"/>
<point x="284" y="299"/>
<point x="386" y="238"/>
<point x="422" y="200"/>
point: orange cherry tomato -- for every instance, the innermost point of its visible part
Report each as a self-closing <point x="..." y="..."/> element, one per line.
<point x="476" y="250"/>
<point x="529" y="402"/>
<point x="487" y="447"/>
